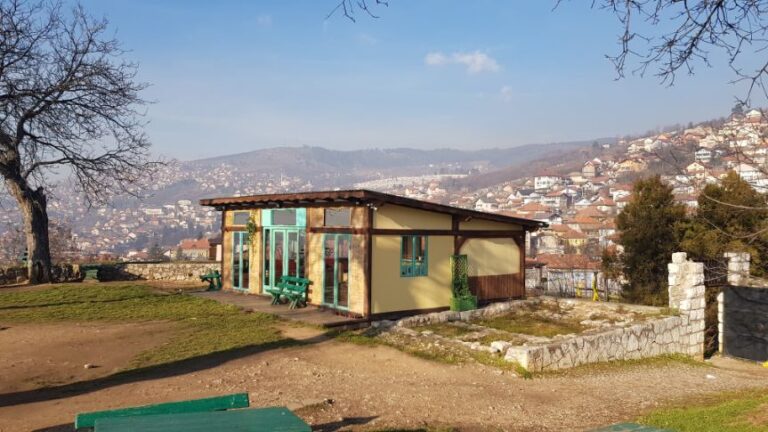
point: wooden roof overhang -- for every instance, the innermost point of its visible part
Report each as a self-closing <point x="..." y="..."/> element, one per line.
<point x="358" y="197"/>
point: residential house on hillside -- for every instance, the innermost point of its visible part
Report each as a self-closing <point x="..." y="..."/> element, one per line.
<point x="369" y="254"/>
<point x="194" y="249"/>
<point x="631" y="165"/>
<point x="545" y="182"/>
<point x="703" y="155"/>
<point x="569" y="275"/>
<point x="590" y="169"/>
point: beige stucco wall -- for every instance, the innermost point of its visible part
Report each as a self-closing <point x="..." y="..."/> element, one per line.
<point x="479" y="224"/>
<point x="391" y="216"/>
<point x="357" y="254"/>
<point x="315" y="266"/>
<point x="254" y="276"/>
<point x="357" y="275"/>
<point x="391" y="293"/>
<point x="488" y="257"/>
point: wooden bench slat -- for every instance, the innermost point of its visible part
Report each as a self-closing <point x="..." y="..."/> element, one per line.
<point x="217" y="403"/>
<point x="278" y="419"/>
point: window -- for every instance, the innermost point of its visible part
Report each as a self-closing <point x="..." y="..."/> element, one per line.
<point x="284" y="217"/>
<point x="241" y="218"/>
<point x="413" y="256"/>
<point x="336" y="217"/>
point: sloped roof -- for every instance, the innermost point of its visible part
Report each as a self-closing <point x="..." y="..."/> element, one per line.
<point x="355" y="197"/>
<point x="568" y="261"/>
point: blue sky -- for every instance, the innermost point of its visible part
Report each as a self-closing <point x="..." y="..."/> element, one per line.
<point x="234" y="76"/>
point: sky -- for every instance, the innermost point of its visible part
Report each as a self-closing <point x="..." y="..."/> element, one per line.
<point x="234" y="76"/>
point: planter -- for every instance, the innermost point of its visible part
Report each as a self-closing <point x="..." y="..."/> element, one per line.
<point x="463" y="303"/>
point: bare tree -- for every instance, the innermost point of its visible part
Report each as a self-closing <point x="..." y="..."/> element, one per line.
<point x="673" y="36"/>
<point x="350" y="7"/>
<point x="68" y="106"/>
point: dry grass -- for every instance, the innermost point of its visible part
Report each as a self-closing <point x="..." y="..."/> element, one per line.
<point x="532" y="324"/>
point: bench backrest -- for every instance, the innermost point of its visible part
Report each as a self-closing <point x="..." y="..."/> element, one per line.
<point x="238" y="400"/>
<point x="294" y="281"/>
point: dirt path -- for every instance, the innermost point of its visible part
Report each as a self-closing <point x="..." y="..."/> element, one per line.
<point x="378" y="387"/>
<point x="39" y="355"/>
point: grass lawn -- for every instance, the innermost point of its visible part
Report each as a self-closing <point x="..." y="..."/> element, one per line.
<point x="531" y="324"/>
<point x="204" y="326"/>
<point x="732" y="412"/>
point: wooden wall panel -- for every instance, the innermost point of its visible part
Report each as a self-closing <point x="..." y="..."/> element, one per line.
<point x="497" y="287"/>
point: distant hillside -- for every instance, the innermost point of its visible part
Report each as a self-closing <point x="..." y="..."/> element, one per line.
<point x="364" y="163"/>
<point x="558" y="160"/>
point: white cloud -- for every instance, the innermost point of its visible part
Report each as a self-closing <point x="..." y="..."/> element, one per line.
<point x="475" y="62"/>
<point x="506" y="93"/>
<point x="435" y="59"/>
<point x="264" y="21"/>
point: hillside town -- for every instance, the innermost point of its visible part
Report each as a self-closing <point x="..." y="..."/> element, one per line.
<point x="578" y="206"/>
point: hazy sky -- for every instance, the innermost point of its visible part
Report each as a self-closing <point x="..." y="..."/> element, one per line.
<point x="233" y="76"/>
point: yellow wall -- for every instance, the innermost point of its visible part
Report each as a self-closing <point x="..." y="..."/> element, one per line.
<point x="357" y="256"/>
<point x="489" y="257"/>
<point x="480" y="224"/>
<point x="391" y="293"/>
<point x="391" y="216"/>
<point x="254" y="279"/>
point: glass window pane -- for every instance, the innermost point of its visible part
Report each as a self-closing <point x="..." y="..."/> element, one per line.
<point x="284" y="217"/>
<point x="413" y="256"/>
<point x="240" y="218"/>
<point x="338" y="217"/>
<point x="267" y="255"/>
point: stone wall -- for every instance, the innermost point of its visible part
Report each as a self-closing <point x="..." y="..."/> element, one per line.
<point x="59" y="273"/>
<point x="742" y="313"/>
<point x="166" y="271"/>
<point x="647" y="339"/>
<point x="679" y="334"/>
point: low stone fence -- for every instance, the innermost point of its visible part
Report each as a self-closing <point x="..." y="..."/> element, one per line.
<point x="648" y="339"/>
<point x="742" y="313"/>
<point x="165" y="271"/>
<point x="679" y="334"/>
<point x="59" y="273"/>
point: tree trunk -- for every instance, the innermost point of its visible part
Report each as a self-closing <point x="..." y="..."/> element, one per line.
<point x="33" y="207"/>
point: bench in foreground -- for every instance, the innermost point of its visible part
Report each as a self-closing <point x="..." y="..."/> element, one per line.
<point x="218" y="403"/>
<point x="275" y="419"/>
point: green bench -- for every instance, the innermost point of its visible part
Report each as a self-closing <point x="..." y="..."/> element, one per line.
<point x="213" y="277"/>
<point x="293" y="288"/>
<point x="218" y="403"/>
<point x="273" y="419"/>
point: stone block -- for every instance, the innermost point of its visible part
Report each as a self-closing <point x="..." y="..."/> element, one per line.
<point x="679" y="257"/>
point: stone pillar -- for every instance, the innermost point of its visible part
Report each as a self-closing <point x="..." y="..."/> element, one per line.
<point x="738" y="268"/>
<point x="686" y="294"/>
<point x="720" y="322"/>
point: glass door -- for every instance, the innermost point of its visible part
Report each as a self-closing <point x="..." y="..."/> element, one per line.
<point x="240" y="260"/>
<point x="284" y="250"/>
<point x="336" y="270"/>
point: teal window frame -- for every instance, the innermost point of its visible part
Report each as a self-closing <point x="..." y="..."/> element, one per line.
<point x="240" y="239"/>
<point x="414" y="265"/>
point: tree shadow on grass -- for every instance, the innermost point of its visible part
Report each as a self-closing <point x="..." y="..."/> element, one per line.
<point x="148" y="373"/>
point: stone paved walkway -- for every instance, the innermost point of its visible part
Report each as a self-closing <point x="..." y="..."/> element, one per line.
<point x="252" y="302"/>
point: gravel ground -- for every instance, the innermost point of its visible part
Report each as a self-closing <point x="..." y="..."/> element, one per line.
<point x="336" y="385"/>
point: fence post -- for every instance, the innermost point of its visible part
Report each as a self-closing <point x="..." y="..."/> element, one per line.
<point x="686" y="294"/>
<point x="738" y="268"/>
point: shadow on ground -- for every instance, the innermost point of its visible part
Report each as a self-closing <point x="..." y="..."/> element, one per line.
<point x="337" y="425"/>
<point x="149" y="373"/>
